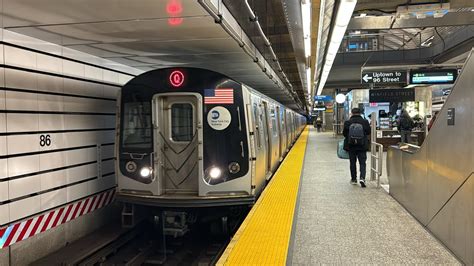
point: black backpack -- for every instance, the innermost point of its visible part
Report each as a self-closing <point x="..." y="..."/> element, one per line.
<point x="356" y="135"/>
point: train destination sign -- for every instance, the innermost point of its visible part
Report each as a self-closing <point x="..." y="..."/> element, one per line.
<point x="433" y="76"/>
<point x="384" y="77"/>
<point x="391" y="95"/>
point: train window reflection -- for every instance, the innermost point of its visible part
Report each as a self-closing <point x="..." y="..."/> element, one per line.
<point x="181" y="122"/>
<point x="136" y="125"/>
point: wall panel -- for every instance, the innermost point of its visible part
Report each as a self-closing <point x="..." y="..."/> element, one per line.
<point x="23" y="165"/>
<point x="3" y="190"/>
<point x="20" y="79"/>
<point x="4" y="214"/>
<point x="48" y="63"/>
<point x="54" y="198"/>
<point x="19" y="57"/>
<point x="24" y="186"/>
<point x="53" y="180"/>
<point x="3" y="141"/>
<point x="57" y="125"/>
<point x="48" y="83"/>
<point x="22" y="122"/>
<point x="22" y="144"/>
<point x="52" y="103"/>
<point x="78" y="191"/>
<point x="3" y="169"/>
<point x="25" y="207"/>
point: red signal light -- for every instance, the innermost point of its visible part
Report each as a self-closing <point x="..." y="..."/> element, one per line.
<point x="176" y="78"/>
<point x="174" y="7"/>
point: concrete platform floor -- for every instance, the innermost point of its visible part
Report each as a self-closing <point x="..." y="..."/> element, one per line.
<point x="340" y="223"/>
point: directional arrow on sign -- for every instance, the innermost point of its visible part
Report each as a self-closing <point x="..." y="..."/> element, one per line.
<point x="366" y="78"/>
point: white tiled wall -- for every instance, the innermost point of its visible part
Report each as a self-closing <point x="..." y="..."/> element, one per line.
<point x="39" y="96"/>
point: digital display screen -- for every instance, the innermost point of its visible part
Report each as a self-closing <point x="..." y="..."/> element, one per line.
<point x="438" y="76"/>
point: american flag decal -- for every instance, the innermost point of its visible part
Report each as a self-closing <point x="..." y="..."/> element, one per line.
<point x="219" y="96"/>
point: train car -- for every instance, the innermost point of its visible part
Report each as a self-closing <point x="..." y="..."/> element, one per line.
<point x="189" y="137"/>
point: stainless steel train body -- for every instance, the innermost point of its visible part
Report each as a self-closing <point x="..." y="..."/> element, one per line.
<point x="190" y="137"/>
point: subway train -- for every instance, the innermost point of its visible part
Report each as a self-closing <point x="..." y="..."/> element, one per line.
<point x="190" y="137"/>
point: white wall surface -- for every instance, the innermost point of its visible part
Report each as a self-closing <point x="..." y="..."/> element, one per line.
<point x="57" y="123"/>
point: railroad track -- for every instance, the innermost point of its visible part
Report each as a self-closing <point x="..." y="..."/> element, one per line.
<point x="142" y="245"/>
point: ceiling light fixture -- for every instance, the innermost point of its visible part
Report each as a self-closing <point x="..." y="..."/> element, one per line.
<point x="306" y="20"/>
<point x="343" y="16"/>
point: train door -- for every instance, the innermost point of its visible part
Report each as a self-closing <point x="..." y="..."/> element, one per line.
<point x="260" y="150"/>
<point x="177" y="131"/>
<point x="268" y="137"/>
<point x="279" y="132"/>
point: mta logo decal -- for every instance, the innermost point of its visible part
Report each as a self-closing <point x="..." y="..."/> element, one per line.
<point x="215" y="114"/>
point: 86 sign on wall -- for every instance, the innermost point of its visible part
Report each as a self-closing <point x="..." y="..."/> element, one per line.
<point x="45" y="140"/>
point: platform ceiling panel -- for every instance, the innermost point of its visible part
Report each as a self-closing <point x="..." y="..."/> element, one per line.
<point x="143" y="34"/>
<point x="33" y="12"/>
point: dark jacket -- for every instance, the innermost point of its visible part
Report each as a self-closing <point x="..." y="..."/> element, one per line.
<point x="406" y="123"/>
<point x="365" y="124"/>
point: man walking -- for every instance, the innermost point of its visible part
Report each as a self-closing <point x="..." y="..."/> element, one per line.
<point x="356" y="142"/>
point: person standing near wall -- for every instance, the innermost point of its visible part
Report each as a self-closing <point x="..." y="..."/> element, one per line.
<point x="406" y="125"/>
<point x="356" y="132"/>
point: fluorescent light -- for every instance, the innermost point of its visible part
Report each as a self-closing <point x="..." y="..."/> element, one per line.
<point x="306" y="20"/>
<point x="343" y="16"/>
<point x="308" y="79"/>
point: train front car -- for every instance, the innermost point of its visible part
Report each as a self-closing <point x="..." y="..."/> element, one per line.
<point x="183" y="140"/>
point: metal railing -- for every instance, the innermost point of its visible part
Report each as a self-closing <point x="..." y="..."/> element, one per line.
<point x="337" y="129"/>
<point x="376" y="160"/>
<point x="376" y="152"/>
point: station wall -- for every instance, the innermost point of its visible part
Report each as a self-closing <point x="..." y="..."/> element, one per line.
<point x="57" y="125"/>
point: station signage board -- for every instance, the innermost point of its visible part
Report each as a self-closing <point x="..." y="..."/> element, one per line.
<point x="324" y="98"/>
<point x="384" y="77"/>
<point x="433" y="76"/>
<point x="391" y="95"/>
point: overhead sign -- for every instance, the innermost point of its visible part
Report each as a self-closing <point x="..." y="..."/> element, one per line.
<point x="384" y="77"/>
<point x="391" y="95"/>
<point x="324" y="98"/>
<point x="433" y="76"/>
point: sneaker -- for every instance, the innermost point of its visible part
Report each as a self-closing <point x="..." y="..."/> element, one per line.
<point x="354" y="182"/>
<point x="362" y="183"/>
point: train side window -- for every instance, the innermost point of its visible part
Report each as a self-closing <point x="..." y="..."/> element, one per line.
<point x="136" y="126"/>
<point x="273" y="117"/>
<point x="182" y="122"/>
<point x="256" y="122"/>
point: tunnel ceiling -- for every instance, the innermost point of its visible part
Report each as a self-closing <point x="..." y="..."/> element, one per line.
<point x="382" y="38"/>
<point x="146" y="35"/>
<point x="272" y="20"/>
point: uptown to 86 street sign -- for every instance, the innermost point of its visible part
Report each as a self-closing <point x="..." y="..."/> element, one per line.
<point x="384" y="77"/>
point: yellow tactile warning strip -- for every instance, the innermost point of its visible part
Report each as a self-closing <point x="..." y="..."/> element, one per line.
<point x="264" y="236"/>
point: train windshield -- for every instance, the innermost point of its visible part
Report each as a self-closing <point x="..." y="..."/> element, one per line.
<point x="136" y="125"/>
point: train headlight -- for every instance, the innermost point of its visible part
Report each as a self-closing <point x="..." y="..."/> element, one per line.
<point x="215" y="172"/>
<point x="145" y="172"/>
<point x="234" y="167"/>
